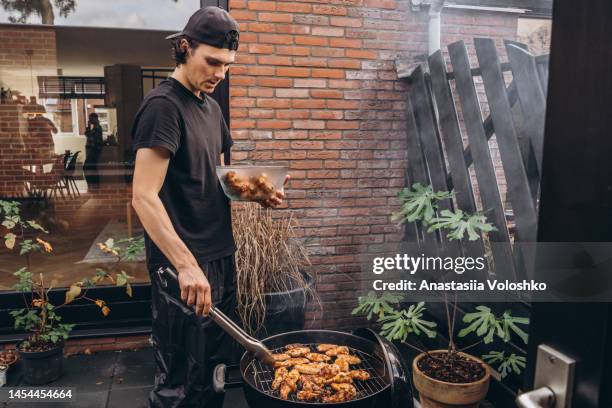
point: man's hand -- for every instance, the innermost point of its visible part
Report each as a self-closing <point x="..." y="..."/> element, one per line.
<point x="195" y="289"/>
<point x="277" y="198"/>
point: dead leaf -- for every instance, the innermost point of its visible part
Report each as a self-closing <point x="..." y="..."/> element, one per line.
<point x="37" y="302"/>
<point x="105" y="310"/>
<point x="87" y="351"/>
<point x="100" y="302"/>
<point x="72" y="293"/>
<point x="128" y="289"/>
<point x="45" y="245"/>
<point x="9" y="240"/>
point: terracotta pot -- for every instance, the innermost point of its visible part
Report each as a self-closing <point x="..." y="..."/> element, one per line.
<point x="440" y="394"/>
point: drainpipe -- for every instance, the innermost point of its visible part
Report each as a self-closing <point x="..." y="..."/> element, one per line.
<point x="435" y="9"/>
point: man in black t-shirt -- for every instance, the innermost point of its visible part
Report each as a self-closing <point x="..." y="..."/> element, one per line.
<point x="179" y="136"/>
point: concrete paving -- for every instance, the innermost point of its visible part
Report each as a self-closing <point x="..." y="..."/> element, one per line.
<point x="111" y="379"/>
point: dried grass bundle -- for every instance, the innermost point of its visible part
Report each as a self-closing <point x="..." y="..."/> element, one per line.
<point x="269" y="259"/>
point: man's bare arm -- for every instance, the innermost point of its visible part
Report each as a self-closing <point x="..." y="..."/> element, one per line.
<point x="149" y="174"/>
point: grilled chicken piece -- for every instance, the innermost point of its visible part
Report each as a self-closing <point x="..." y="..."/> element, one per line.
<point x="340" y="378"/>
<point x="361" y="375"/>
<point x="341" y="396"/>
<point x="316" y="357"/>
<point x="298" y="351"/>
<point x="289" y="384"/>
<point x="312" y="382"/>
<point x="291" y="362"/>
<point x="312" y="368"/>
<point x="348" y="389"/>
<point x="330" y="370"/>
<point x="343" y="364"/>
<point x="281" y="357"/>
<point x="306" y="395"/>
<point x="322" y="348"/>
<point x="338" y="350"/>
<point x="279" y="377"/>
<point x="293" y="345"/>
<point x="350" y="358"/>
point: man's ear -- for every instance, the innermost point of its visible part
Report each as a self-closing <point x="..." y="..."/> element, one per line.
<point x="184" y="45"/>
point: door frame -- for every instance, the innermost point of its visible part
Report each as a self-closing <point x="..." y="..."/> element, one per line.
<point x="576" y="197"/>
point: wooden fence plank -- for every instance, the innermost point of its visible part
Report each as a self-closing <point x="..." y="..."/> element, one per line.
<point x="516" y="178"/>
<point x="415" y="168"/>
<point x="451" y="133"/>
<point x="430" y="141"/>
<point x="531" y="97"/>
<point x="483" y="165"/>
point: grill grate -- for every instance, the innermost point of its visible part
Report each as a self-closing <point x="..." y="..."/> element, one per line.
<point x="263" y="375"/>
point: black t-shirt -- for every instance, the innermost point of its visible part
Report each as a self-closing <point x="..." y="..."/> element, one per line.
<point x="195" y="133"/>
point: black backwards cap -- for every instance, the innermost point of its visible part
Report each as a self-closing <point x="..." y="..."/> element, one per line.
<point x="213" y="26"/>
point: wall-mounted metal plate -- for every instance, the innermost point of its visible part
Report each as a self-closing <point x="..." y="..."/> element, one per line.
<point x="556" y="371"/>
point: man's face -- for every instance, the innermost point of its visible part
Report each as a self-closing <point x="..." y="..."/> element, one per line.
<point x="206" y="66"/>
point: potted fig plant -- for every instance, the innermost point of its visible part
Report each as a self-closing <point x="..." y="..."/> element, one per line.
<point x="271" y="286"/>
<point x="448" y="377"/>
<point x="41" y="353"/>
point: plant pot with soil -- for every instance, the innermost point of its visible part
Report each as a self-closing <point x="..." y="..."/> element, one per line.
<point x="271" y="285"/>
<point x="450" y="379"/>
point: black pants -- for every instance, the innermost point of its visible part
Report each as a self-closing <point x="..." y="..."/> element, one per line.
<point x="187" y="348"/>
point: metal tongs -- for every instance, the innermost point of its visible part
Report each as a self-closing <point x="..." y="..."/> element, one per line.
<point x="251" y="344"/>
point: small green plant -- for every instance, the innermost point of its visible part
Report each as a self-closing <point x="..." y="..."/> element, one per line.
<point x="420" y="203"/>
<point x="398" y="324"/>
<point x="39" y="316"/>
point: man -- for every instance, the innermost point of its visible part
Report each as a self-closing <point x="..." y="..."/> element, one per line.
<point x="179" y="137"/>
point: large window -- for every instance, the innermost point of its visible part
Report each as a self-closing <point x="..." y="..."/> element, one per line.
<point x="94" y="13"/>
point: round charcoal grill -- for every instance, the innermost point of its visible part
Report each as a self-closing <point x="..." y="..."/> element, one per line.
<point x="381" y="390"/>
<point x="263" y="375"/>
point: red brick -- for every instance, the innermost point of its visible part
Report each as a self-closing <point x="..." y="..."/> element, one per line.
<point x="258" y="70"/>
<point x="274" y="60"/>
<point x="292" y="50"/>
<point x="307" y="145"/>
<point x="345" y="22"/>
<point x="308" y="40"/>
<point x="326" y="93"/>
<point x="292" y="114"/>
<point x="310" y="83"/>
<point x="243" y="15"/>
<point x="308" y="103"/>
<point x="291" y="134"/>
<point x="332" y="10"/>
<point x="308" y="124"/>
<point x="262" y="5"/>
<point x="294" y="7"/>
<point x="292" y="29"/>
<point x="261" y="49"/>
<point x="261" y="27"/>
<point x="345" y="42"/>
<point x="327" y="73"/>
<point x="293" y="72"/>
<point x="306" y="164"/>
<point x="328" y="52"/>
<point x="275" y="17"/>
<point x="385" y="4"/>
<point x="345" y="63"/>
<point x="292" y="93"/>
<point x="261" y="92"/>
<point x="328" y="31"/>
<point x="237" y="4"/>
<point x="273" y="103"/>
<point x="322" y="174"/>
<point x="326" y="114"/>
<point x="260" y="113"/>
<point x="275" y="38"/>
<point x="310" y="62"/>
<point x="343" y="124"/>
<point x="323" y="154"/>
<point x="361" y="54"/>
<point x="273" y="124"/>
<point x="275" y="82"/>
<point x="343" y="104"/>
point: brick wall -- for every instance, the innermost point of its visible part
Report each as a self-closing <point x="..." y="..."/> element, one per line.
<point x="315" y="87"/>
<point x="23" y="48"/>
